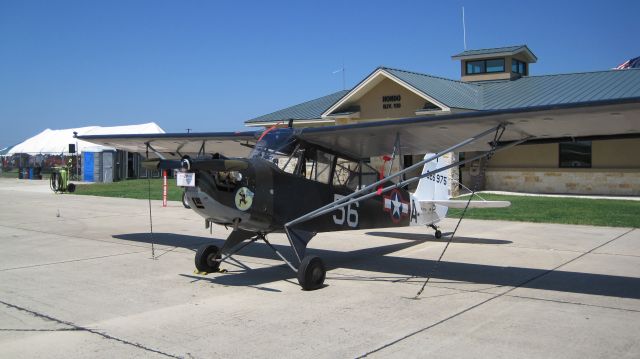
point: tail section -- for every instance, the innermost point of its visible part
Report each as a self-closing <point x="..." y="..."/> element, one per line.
<point x="436" y="187"/>
<point x="430" y="202"/>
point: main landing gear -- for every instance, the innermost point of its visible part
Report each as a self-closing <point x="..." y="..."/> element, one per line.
<point x="311" y="272"/>
<point x="207" y="259"/>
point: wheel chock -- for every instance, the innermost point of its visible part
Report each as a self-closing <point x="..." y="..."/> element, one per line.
<point x="195" y="271"/>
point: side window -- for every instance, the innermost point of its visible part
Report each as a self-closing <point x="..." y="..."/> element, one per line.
<point x="369" y="175"/>
<point x="318" y="166"/>
<point x="324" y="161"/>
<point x="346" y="174"/>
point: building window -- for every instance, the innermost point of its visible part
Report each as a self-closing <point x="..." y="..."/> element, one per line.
<point x="475" y="67"/>
<point x="518" y="67"/>
<point x="485" y="66"/>
<point x="575" y="154"/>
<point x="496" y="65"/>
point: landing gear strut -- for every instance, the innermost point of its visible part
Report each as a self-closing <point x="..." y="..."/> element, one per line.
<point x="311" y="272"/>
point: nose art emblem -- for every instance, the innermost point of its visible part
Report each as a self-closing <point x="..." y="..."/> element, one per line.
<point x="244" y="198"/>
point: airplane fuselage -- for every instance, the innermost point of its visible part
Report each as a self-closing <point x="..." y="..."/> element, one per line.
<point x="277" y="197"/>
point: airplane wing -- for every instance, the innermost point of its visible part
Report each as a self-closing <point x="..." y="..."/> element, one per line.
<point x="419" y="135"/>
<point x="175" y="145"/>
<point x="463" y="204"/>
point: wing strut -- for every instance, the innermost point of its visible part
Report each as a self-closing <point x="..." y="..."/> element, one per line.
<point x="369" y="191"/>
<point x="160" y="156"/>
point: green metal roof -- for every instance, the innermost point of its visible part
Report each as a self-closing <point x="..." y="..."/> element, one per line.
<point x="560" y="89"/>
<point x="524" y="92"/>
<point x="452" y="93"/>
<point x="495" y="50"/>
<point x="310" y="110"/>
<point x="529" y="91"/>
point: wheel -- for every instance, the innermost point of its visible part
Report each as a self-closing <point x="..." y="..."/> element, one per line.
<point x="438" y="234"/>
<point x="184" y="200"/>
<point x="311" y="273"/>
<point x="206" y="259"/>
<point x="71" y="187"/>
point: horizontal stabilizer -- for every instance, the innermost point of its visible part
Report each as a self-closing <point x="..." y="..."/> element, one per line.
<point x="463" y="204"/>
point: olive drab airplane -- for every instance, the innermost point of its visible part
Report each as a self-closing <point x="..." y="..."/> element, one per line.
<point x="310" y="180"/>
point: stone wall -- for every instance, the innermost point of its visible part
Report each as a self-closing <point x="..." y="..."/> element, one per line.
<point x="571" y="181"/>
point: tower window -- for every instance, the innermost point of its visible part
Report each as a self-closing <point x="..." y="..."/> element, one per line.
<point x="518" y="67"/>
<point x="485" y="66"/>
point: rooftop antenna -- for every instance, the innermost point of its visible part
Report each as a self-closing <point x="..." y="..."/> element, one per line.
<point x="342" y="69"/>
<point x="464" y="30"/>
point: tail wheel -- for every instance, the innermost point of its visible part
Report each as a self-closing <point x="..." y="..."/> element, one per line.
<point x="311" y="273"/>
<point x="438" y="234"/>
<point x="205" y="259"/>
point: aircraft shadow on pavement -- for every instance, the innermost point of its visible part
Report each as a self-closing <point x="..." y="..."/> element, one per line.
<point x="431" y="238"/>
<point x="166" y="239"/>
<point x="377" y="259"/>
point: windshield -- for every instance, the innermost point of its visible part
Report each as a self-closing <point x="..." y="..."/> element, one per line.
<point x="274" y="143"/>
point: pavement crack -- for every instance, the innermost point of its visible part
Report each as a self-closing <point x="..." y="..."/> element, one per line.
<point x="78" y="237"/>
<point x="41" y="330"/>
<point x="89" y="330"/>
<point x="70" y="261"/>
<point x="421" y="330"/>
<point x="575" y="303"/>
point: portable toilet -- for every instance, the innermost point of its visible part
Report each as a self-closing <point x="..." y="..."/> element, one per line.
<point x="87" y="166"/>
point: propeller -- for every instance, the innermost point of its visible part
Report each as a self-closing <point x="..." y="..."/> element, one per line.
<point x="217" y="165"/>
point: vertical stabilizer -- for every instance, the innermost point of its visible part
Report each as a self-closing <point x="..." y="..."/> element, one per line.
<point x="431" y="188"/>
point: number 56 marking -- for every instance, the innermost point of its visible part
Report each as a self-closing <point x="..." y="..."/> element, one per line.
<point x="350" y="216"/>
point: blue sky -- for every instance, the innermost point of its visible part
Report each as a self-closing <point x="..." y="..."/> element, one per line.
<point x="210" y="65"/>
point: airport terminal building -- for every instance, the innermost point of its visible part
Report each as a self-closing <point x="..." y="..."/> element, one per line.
<point x="493" y="80"/>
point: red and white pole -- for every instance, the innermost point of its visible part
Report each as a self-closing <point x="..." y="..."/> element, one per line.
<point x="164" y="188"/>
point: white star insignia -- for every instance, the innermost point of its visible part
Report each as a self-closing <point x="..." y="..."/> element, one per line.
<point x="396" y="206"/>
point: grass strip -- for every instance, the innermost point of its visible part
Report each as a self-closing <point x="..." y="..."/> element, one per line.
<point x="133" y="188"/>
<point x="566" y="210"/>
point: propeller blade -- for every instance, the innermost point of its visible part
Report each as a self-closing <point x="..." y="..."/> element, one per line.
<point x="219" y="165"/>
<point x="162" y="164"/>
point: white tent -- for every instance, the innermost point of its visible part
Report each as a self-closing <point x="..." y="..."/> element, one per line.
<point x="57" y="141"/>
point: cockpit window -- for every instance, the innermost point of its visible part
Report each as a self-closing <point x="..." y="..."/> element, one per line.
<point x="353" y="175"/>
<point x="346" y="174"/>
<point x="273" y="144"/>
<point x="279" y="146"/>
<point x="318" y="166"/>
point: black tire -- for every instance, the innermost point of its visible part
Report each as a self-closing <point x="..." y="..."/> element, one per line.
<point x="311" y="273"/>
<point x="438" y="234"/>
<point x="205" y="259"/>
<point x="184" y="200"/>
<point x="71" y="187"/>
